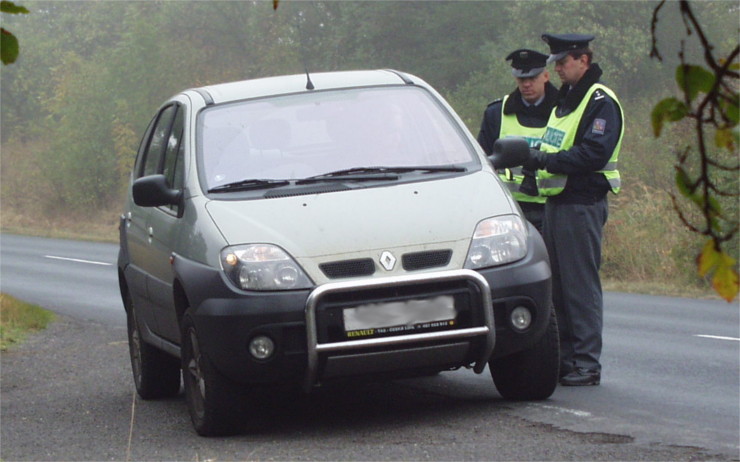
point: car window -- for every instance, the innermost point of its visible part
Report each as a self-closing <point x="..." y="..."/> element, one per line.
<point x="140" y="153"/>
<point x="159" y="140"/>
<point x="297" y="136"/>
<point x="173" y="152"/>
<point x="173" y="157"/>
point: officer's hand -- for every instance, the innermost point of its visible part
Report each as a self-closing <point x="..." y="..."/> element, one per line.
<point x="537" y="160"/>
<point x="529" y="183"/>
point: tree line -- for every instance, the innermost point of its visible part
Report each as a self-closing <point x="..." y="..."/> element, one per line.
<point x="91" y="74"/>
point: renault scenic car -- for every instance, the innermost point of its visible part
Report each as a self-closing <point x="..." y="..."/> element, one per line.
<point x="309" y="229"/>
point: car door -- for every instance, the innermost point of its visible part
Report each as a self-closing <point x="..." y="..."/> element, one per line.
<point x="146" y="267"/>
<point x="165" y="228"/>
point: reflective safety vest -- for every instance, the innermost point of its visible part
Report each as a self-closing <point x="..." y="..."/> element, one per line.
<point x="560" y="135"/>
<point x="512" y="177"/>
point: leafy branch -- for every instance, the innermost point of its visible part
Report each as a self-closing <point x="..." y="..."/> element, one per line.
<point x="710" y="99"/>
<point x="8" y="42"/>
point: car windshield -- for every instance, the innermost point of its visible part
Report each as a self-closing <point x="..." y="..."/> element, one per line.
<point x="302" y="136"/>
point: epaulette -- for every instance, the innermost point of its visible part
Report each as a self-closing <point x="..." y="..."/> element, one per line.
<point x="597" y="95"/>
<point x="494" y="102"/>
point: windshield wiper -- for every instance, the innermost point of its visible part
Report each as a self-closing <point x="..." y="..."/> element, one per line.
<point x="352" y="174"/>
<point x="245" y="185"/>
<point x="377" y="173"/>
<point x="426" y="169"/>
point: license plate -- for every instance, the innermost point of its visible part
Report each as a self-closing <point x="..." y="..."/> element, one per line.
<point x="400" y="317"/>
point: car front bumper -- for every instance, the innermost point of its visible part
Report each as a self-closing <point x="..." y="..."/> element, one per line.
<point x="311" y="345"/>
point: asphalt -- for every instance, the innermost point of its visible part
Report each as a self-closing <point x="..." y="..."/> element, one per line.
<point x="67" y="394"/>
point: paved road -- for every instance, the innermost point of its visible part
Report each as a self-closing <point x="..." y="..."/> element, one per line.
<point x="74" y="278"/>
<point x="671" y="389"/>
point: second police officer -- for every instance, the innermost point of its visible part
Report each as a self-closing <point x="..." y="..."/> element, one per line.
<point x="524" y="113"/>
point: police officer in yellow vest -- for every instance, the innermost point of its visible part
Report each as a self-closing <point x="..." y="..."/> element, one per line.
<point x="578" y="167"/>
<point x="522" y="113"/>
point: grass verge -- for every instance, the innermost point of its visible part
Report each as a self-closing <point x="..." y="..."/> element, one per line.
<point x="667" y="289"/>
<point x="18" y="318"/>
<point x="100" y="227"/>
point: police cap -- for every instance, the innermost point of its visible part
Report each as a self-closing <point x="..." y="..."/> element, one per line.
<point x="562" y="44"/>
<point x="527" y="63"/>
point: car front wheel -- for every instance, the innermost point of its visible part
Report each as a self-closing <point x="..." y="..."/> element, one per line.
<point x="213" y="400"/>
<point x="530" y="374"/>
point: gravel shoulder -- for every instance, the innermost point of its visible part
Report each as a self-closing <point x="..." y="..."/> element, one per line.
<point x="67" y="394"/>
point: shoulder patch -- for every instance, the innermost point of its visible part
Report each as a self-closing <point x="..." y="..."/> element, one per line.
<point x="599" y="126"/>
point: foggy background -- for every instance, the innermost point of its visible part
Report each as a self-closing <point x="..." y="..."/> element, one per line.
<point x="91" y="74"/>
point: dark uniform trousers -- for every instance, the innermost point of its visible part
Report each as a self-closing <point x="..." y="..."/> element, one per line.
<point x="534" y="213"/>
<point x="573" y="234"/>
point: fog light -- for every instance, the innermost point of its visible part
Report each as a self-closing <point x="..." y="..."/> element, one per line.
<point x="521" y="318"/>
<point x="262" y="347"/>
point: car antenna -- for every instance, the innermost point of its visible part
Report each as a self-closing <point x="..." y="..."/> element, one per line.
<point x="309" y="84"/>
<point x="298" y="18"/>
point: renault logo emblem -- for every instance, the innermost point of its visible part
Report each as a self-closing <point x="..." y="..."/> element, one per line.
<point x="387" y="260"/>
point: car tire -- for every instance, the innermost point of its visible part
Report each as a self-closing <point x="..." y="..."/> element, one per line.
<point x="156" y="374"/>
<point x="531" y="374"/>
<point x="214" y="402"/>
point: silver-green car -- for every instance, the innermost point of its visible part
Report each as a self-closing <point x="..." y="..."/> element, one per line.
<point x="305" y="229"/>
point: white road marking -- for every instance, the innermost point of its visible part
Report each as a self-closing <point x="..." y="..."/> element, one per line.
<point x="717" y="337"/>
<point x="575" y="412"/>
<point x="90" y="262"/>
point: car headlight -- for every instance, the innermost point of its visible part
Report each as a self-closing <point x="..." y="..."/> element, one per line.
<point x="497" y="241"/>
<point x="263" y="267"/>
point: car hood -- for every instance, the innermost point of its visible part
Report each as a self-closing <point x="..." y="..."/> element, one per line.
<point x="351" y="224"/>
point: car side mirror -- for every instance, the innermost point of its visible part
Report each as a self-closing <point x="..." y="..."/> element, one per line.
<point x="153" y="191"/>
<point x="508" y="152"/>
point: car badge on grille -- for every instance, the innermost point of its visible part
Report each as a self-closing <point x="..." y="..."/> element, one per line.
<point x="387" y="260"/>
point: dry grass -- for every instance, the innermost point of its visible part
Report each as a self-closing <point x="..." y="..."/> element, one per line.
<point x="659" y="288"/>
<point x="29" y="204"/>
<point x="646" y="245"/>
<point x="101" y="227"/>
<point x="18" y="318"/>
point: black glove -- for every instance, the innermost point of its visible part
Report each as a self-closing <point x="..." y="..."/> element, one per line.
<point x="537" y="160"/>
<point x="529" y="183"/>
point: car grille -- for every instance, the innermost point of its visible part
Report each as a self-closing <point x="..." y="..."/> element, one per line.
<point x="423" y="260"/>
<point x="365" y="266"/>
<point x="348" y="268"/>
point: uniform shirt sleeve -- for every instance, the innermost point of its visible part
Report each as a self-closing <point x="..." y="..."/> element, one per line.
<point x="490" y="127"/>
<point x="595" y="141"/>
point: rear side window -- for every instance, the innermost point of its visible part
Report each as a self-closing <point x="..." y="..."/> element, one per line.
<point x="158" y="142"/>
